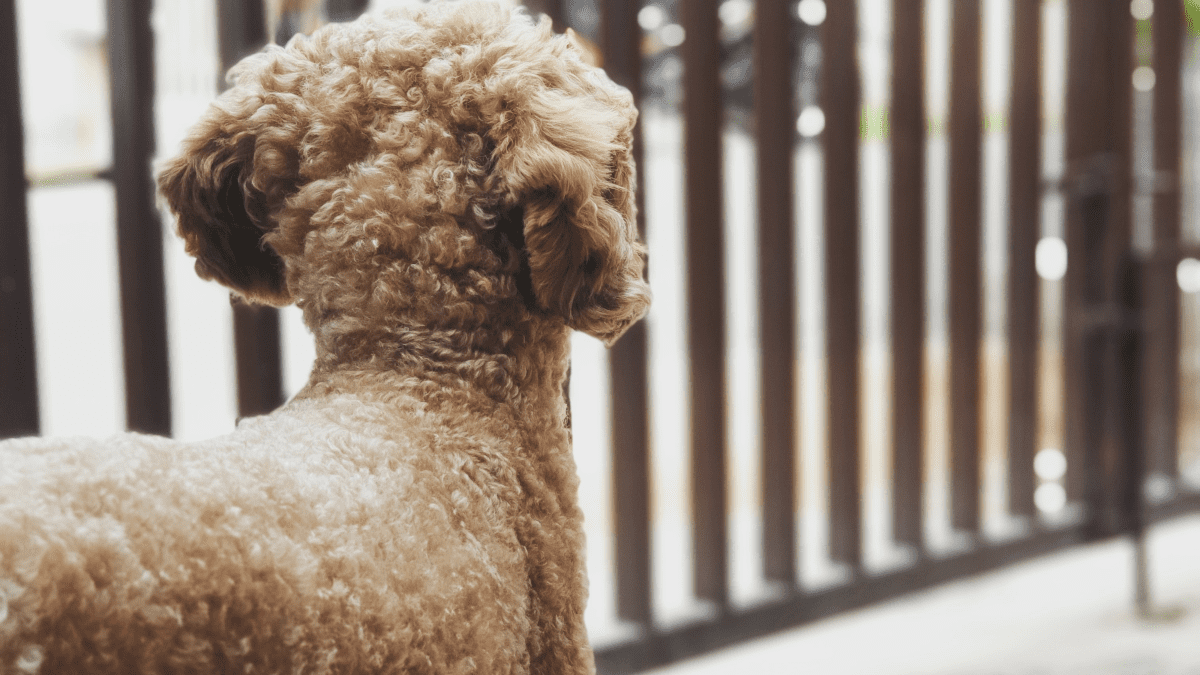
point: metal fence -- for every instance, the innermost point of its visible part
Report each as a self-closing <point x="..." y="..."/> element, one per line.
<point x="1120" y="322"/>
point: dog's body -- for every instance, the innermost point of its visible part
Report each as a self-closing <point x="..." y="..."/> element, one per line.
<point x="446" y="193"/>
<point x="377" y="523"/>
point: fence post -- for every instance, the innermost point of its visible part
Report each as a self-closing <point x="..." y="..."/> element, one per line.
<point x="344" y="10"/>
<point x="908" y="121"/>
<point x="1130" y="401"/>
<point x="705" y="296"/>
<point x="18" y="365"/>
<point x="242" y="30"/>
<point x="1095" y="320"/>
<point x="551" y="8"/>
<point x="966" y="283"/>
<point x="1025" y="200"/>
<point x="1162" y="349"/>
<point x="841" y="100"/>
<point x="621" y="46"/>
<point x="775" y="134"/>
<point x="139" y="228"/>
<point x="1098" y="236"/>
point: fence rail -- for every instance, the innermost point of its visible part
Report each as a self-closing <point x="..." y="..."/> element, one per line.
<point x="1121" y="318"/>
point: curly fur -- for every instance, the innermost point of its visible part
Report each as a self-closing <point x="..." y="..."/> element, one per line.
<point x="445" y="192"/>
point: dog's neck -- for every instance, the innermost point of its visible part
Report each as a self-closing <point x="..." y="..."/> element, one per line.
<point x="515" y="357"/>
<point x="524" y="387"/>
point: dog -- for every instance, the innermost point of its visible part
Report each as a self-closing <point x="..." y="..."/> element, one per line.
<point x="446" y="192"/>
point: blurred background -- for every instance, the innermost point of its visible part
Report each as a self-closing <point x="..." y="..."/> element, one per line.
<point x="870" y="366"/>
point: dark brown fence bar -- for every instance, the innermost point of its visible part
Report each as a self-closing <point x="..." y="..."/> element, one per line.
<point x="908" y="270"/>
<point x="241" y="30"/>
<point x="627" y="362"/>
<point x="1162" y="353"/>
<point x="1113" y="458"/>
<point x="965" y="253"/>
<point x="1079" y="142"/>
<point x="776" y="294"/>
<point x="631" y="475"/>
<point x="344" y="10"/>
<point x="139" y="230"/>
<point x="840" y="100"/>
<point x="18" y="365"/>
<point x="555" y="10"/>
<point x="705" y="295"/>
<point x="1129" y="406"/>
<point x="256" y="347"/>
<point x="1025" y="170"/>
<point x="1097" y="152"/>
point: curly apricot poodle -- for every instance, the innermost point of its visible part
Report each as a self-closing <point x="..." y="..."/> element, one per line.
<point x="446" y="192"/>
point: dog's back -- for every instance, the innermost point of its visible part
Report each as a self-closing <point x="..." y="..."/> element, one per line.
<point x="346" y="531"/>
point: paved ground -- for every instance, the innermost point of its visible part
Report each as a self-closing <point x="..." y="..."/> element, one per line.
<point x="1067" y="614"/>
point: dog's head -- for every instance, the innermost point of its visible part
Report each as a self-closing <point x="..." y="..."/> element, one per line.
<point x="447" y="157"/>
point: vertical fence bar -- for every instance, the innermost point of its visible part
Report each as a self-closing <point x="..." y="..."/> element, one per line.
<point x="18" y="365"/>
<point x="1162" y="362"/>
<point x="1024" y="209"/>
<point x="705" y="295"/>
<point x="139" y="230"/>
<point x="344" y="10"/>
<point x="1129" y="407"/>
<point x="257" y="350"/>
<point x="908" y="270"/>
<point x="965" y="286"/>
<point x="1118" y="245"/>
<point x="627" y="361"/>
<point x="774" y="146"/>
<point x="241" y="30"/>
<point x="555" y="10"/>
<point x="1079" y="142"/>
<point x="840" y="100"/>
<point x="1091" y="200"/>
<point x="1097" y="148"/>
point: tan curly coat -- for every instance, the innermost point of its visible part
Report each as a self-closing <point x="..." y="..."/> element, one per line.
<point x="445" y="192"/>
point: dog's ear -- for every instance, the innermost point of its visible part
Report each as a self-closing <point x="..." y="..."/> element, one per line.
<point x="565" y="156"/>
<point x="222" y="216"/>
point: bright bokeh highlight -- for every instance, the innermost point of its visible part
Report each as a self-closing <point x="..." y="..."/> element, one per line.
<point x="1050" y="258"/>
